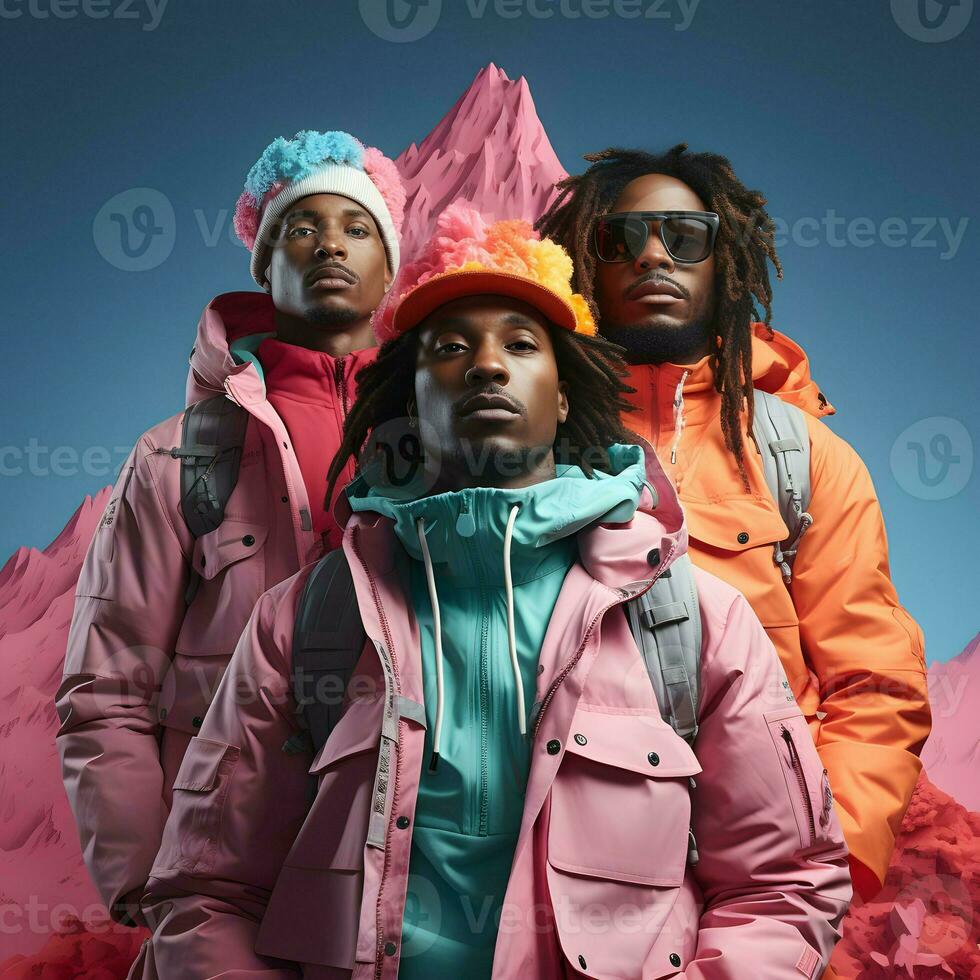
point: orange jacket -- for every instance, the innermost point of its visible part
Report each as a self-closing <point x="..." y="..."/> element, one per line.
<point x="853" y="656"/>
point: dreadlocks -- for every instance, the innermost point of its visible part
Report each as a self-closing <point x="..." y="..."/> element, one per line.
<point x="592" y="367"/>
<point x="744" y="243"/>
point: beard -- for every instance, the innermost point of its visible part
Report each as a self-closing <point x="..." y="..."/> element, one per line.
<point x="336" y="317"/>
<point x="659" y="345"/>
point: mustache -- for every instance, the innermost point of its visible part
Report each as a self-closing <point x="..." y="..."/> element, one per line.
<point x="318" y="272"/>
<point x="657" y="277"/>
<point x="494" y="390"/>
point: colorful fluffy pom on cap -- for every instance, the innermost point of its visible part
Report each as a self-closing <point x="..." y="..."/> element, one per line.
<point x="317" y="163"/>
<point x="467" y="257"/>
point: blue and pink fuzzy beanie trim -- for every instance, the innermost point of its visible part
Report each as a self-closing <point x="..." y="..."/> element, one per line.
<point x="312" y="162"/>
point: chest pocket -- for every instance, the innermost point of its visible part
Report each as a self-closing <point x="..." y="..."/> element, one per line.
<point x="733" y="538"/>
<point x="231" y="564"/>
<point x="232" y="541"/>
<point x="620" y="805"/>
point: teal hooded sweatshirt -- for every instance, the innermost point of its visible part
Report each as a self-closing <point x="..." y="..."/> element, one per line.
<point x="469" y="810"/>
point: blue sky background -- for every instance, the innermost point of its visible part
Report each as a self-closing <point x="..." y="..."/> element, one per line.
<point x="862" y="132"/>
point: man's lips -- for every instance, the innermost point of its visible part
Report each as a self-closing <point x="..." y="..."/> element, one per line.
<point x="330" y="277"/>
<point x="656" y="291"/>
<point x="488" y="407"/>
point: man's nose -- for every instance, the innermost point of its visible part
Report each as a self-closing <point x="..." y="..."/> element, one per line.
<point x="330" y="244"/>
<point x="654" y="255"/>
<point x="488" y="365"/>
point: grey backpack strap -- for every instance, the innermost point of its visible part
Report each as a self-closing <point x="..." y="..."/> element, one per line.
<point x="211" y="440"/>
<point x="328" y="638"/>
<point x="666" y="625"/>
<point x="781" y="434"/>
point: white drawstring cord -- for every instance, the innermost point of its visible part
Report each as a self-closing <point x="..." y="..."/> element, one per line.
<point x="437" y="626"/>
<point x="678" y="417"/>
<point x="511" y="640"/>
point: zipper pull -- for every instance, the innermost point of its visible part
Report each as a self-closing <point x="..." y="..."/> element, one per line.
<point x="828" y="797"/>
<point x="465" y="523"/>
<point x="692" y="848"/>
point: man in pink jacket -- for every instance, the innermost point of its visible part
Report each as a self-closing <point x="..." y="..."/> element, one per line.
<point x="501" y="749"/>
<point x="209" y="511"/>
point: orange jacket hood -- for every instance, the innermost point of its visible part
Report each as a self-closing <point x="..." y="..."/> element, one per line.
<point x="781" y="367"/>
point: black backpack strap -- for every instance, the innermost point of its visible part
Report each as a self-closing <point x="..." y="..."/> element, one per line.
<point x="211" y="440"/>
<point x="328" y="638"/>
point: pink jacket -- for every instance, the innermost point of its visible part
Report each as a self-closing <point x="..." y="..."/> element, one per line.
<point x="141" y="665"/>
<point x="249" y="884"/>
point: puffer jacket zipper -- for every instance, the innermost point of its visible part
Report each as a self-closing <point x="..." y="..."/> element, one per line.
<point x="794" y="758"/>
<point x="483" y="821"/>
<point x="624" y="594"/>
<point x="564" y="672"/>
<point x="341" y="382"/>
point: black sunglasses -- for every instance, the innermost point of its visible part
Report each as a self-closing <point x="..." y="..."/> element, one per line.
<point x="688" y="236"/>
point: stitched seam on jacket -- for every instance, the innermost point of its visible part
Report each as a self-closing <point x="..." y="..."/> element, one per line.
<point x="162" y="505"/>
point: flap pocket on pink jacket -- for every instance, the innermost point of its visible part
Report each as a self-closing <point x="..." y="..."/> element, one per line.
<point x="620" y="805"/>
<point x="192" y="833"/>
<point x="201" y="764"/>
<point x="806" y="779"/>
<point x="228" y="543"/>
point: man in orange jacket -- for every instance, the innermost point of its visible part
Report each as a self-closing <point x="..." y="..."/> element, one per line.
<point x="671" y="250"/>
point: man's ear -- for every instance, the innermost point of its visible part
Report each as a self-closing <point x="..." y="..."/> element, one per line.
<point x="267" y="278"/>
<point x="389" y="277"/>
<point x="562" y="401"/>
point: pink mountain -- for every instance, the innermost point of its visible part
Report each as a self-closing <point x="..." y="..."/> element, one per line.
<point x="42" y="879"/>
<point x="952" y="754"/>
<point x="491" y="151"/>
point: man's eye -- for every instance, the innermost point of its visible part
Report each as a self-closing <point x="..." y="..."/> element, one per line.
<point x="527" y="344"/>
<point x="358" y="231"/>
<point x="299" y="232"/>
<point x="452" y="343"/>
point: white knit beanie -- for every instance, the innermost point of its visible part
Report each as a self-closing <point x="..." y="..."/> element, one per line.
<point x="317" y="163"/>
